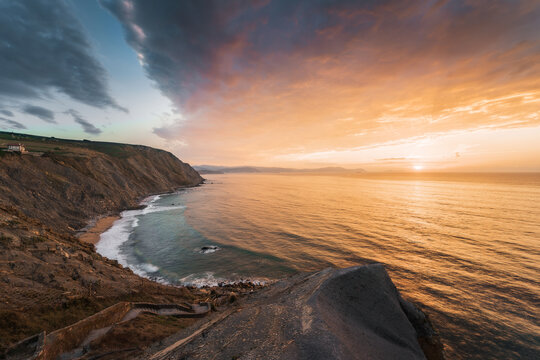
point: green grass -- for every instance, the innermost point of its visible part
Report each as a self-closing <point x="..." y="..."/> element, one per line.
<point x="62" y="146"/>
<point x="111" y="149"/>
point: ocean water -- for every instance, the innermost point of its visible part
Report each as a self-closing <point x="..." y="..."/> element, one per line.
<point x="465" y="247"/>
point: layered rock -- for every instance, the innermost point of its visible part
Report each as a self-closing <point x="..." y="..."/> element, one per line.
<point x="354" y="313"/>
<point x="81" y="180"/>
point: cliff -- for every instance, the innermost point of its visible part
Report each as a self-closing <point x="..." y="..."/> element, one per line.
<point x="64" y="183"/>
<point x="49" y="279"/>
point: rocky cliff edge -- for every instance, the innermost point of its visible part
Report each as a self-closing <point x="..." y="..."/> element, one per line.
<point x="64" y="183"/>
<point x="353" y="313"/>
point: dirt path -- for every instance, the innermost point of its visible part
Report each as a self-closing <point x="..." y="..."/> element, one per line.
<point x="194" y="310"/>
<point x="187" y="311"/>
<point x="163" y="354"/>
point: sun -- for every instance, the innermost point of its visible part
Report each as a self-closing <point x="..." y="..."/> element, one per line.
<point x="418" y="167"/>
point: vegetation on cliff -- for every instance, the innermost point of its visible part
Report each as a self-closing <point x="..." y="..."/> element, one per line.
<point x="49" y="278"/>
<point x="70" y="182"/>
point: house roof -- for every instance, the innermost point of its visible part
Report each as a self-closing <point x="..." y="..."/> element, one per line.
<point x="17" y="144"/>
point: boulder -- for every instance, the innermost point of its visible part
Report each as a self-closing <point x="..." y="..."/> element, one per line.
<point x="353" y="313"/>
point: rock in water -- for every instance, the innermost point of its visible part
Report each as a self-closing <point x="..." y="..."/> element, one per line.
<point x="208" y="249"/>
<point x="353" y="313"/>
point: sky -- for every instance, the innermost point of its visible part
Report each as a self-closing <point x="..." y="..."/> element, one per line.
<point x="383" y="85"/>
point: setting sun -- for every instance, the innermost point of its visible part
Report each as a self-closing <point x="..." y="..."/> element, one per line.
<point x="418" y="167"/>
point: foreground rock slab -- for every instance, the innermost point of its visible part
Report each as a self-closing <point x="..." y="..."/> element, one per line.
<point x="353" y="313"/>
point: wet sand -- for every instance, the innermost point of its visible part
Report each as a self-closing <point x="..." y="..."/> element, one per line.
<point x="93" y="233"/>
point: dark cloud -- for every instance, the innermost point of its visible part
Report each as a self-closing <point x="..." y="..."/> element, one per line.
<point x="40" y="112"/>
<point x="185" y="45"/>
<point x="44" y="48"/>
<point x="260" y="75"/>
<point x="87" y="127"/>
<point x="6" y="112"/>
<point x="11" y="124"/>
<point x="189" y="47"/>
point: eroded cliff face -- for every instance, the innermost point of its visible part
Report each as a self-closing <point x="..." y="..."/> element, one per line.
<point x="49" y="279"/>
<point x="352" y="313"/>
<point x="67" y="187"/>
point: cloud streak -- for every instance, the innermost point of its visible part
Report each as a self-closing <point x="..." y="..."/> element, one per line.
<point x="40" y="112"/>
<point x="10" y="124"/>
<point x="87" y="126"/>
<point x="44" y="49"/>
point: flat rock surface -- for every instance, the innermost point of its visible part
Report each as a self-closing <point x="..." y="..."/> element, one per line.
<point x="352" y="313"/>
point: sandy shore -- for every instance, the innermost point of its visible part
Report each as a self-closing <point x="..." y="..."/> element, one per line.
<point x="92" y="234"/>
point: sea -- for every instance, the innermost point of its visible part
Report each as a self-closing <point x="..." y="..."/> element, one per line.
<point x="464" y="247"/>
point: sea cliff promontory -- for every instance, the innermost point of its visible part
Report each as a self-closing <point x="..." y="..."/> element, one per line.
<point x="63" y="183"/>
<point x="50" y="279"/>
<point x="341" y="314"/>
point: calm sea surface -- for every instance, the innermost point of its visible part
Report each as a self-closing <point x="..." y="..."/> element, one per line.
<point x="465" y="247"/>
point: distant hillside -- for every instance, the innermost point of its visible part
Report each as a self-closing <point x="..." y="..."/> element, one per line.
<point x="212" y="169"/>
<point x="206" y="171"/>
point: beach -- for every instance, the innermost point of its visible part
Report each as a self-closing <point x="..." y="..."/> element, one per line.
<point x="92" y="234"/>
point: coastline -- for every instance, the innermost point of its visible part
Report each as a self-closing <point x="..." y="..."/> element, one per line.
<point x="229" y="299"/>
<point x="52" y="275"/>
<point x="54" y="281"/>
<point x="92" y="234"/>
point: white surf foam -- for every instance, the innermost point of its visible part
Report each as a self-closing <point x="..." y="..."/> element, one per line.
<point x="208" y="249"/>
<point x="111" y="240"/>
<point x="209" y="279"/>
<point x="146" y="270"/>
<point x="152" y="207"/>
<point x="149" y="268"/>
<point x="200" y="280"/>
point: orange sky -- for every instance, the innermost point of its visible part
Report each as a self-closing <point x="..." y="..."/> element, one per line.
<point x="448" y="88"/>
<point x="383" y="85"/>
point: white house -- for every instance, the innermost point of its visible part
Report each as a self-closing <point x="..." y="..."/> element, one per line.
<point x="16" y="147"/>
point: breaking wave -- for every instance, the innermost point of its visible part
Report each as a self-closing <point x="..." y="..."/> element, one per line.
<point x="210" y="279"/>
<point x="111" y="241"/>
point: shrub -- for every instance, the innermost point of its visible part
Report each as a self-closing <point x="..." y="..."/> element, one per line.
<point x="5" y="241"/>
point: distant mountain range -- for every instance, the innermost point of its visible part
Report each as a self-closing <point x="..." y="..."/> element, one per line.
<point x="212" y="169"/>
